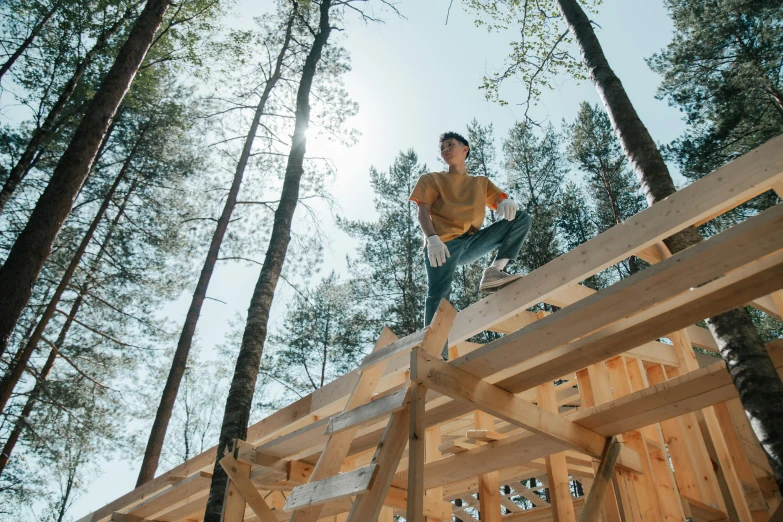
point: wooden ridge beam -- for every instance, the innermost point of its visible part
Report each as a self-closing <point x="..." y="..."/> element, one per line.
<point x="674" y="277"/>
<point x="748" y="175"/>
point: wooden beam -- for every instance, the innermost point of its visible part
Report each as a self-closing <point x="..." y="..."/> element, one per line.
<point x="603" y="479"/>
<point x="246" y="488"/>
<point x="180" y="491"/>
<point x="374" y="410"/>
<point x="707" y="300"/>
<point x="484" y="435"/>
<point x="332" y="488"/>
<point x="671" y="398"/>
<point x="682" y="283"/>
<point x="747" y="176"/>
<point x="396" y="348"/>
<point x="461" y="385"/>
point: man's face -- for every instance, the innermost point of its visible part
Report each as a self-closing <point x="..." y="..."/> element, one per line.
<point x="453" y="152"/>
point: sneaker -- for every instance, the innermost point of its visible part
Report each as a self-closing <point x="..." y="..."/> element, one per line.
<point x="495" y="279"/>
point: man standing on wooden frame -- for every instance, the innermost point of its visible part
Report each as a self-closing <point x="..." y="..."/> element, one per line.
<point x="451" y="213"/>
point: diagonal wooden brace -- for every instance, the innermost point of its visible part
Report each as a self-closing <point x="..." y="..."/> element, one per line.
<point x="461" y="385"/>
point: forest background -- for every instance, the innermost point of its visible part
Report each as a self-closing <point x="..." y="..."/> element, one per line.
<point x="385" y="93"/>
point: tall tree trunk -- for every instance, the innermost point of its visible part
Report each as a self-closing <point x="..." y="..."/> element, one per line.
<point x="243" y="383"/>
<point x="759" y="386"/>
<point x="42" y="134"/>
<point x="158" y="432"/>
<point x="34" y="245"/>
<point x="11" y="378"/>
<point x="21" y="421"/>
<point x="29" y="40"/>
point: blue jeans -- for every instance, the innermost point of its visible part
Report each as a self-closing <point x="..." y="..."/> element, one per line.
<point x="465" y="249"/>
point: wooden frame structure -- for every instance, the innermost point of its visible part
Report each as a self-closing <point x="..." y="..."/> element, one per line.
<point x="551" y="406"/>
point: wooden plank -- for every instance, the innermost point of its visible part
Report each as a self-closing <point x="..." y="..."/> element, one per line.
<point x="459" y="384"/>
<point x="687" y="393"/>
<point x="484" y="435"/>
<point x="124" y="517"/>
<point x="556" y="468"/>
<point x="603" y="480"/>
<point x="748" y="175"/>
<point x="702" y="512"/>
<point x="399" y="347"/>
<point x="332" y="488"/>
<point x="374" y="410"/>
<point x="455" y="446"/>
<point x="644" y="294"/>
<point x="707" y="300"/>
<point x="247" y="489"/>
<point x="415" y="508"/>
<point x="386" y="457"/>
<point x="180" y="491"/>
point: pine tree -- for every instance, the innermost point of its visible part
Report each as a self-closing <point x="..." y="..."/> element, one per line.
<point x="535" y="168"/>
<point x="325" y="334"/>
<point x="390" y="265"/>
<point x="612" y="187"/>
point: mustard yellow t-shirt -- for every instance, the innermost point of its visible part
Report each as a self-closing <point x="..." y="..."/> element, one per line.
<point x="457" y="201"/>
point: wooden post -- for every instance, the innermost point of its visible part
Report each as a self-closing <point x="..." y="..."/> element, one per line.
<point x="731" y="486"/>
<point x="644" y="484"/>
<point x="416" y="447"/>
<point x="602" y="482"/>
<point x="661" y="471"/>
<point x="234" y="503"/>
<point x="432" y="441"/>
<point x="593" y="390"/>
<point x="488" y="483"/>
<point x="556" y="467"/>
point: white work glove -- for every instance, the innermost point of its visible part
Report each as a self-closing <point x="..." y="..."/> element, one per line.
<point x="437" y="251"/>
<point x="507" y="209"/>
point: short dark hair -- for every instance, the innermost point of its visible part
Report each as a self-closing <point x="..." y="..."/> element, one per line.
<point x="449" y="135"/>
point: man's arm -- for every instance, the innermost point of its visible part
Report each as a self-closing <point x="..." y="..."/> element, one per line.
<point x="498" y="199"/>
<point x="425" y="221"/>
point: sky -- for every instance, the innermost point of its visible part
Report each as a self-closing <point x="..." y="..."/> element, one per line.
<point x="414" y="79"/>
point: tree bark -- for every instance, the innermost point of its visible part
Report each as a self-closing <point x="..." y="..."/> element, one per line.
<point x="42" y="134"/>
<point x="243" y="383"/>
<point x="21" y="421"/>
<point x="34" y="245"/>
<point x="759" y="386"/>
<point x="159" y="427"/>
<point x="14" y="373"/>
<point x="28" y="41"/>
